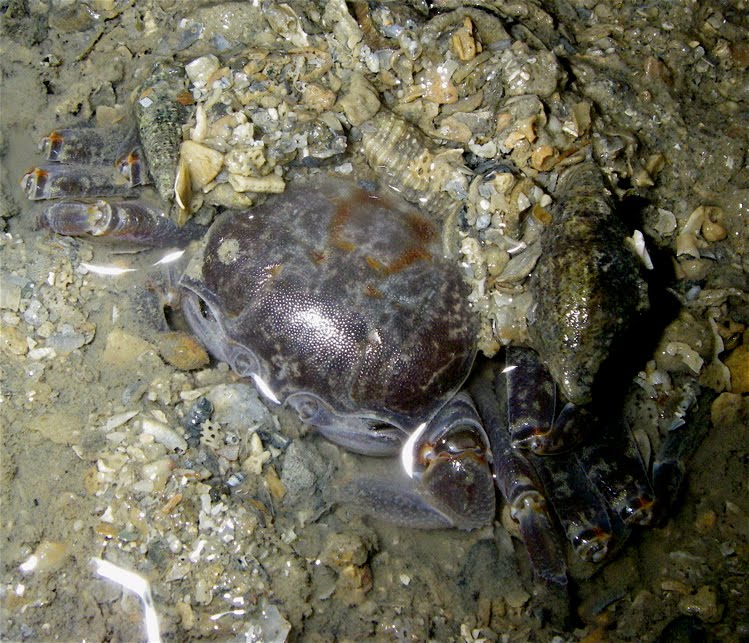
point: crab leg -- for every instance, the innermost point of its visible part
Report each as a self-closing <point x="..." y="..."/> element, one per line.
<point x="123" y="220"/>
<point x="580" y="510"/>
<point x="679" y="445"/>
<point x="531" y="414"/>
<point x="55" y="181"/>
<point x="87" y="145"/>
<point x="518" y="484"/>
<point x="614" y="466"/>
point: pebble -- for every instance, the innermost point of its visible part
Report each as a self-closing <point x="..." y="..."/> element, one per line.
<point x="343" y="550"/>
<point x="10" y="292"/>
<point x="13" y="340"/>
<point x="202" y="162"/>
<point x="354" y="583"/>
<point x="157" y="473"/>
<point x="67" y="339"/>
<point x="123" y="349"/>
<point x="35" y="314"/>
<point x="163" y="434"/>
<point x="41" y="353"/>
<point x="706" y="521"/>
<point x="738" y="363"/>
<point x="47" y="557"/>
<point x="182" y="350"/>
<point x="703" y="604"/>
<point x="712" y="230"/>
<point x="360" y="102"/>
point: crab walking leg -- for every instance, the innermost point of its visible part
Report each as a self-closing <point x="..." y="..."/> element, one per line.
<point x="56" y="181"/>
<point x="532" y="392"/>
<point x="94" y="146"/>
<point x="132" y="221"/>
<point x="614" y="466"/>
<point x="679" y="445"/>
<point x="580" y="509"/>
<point x="396" y="501"/>
<point x="517" y="483"/>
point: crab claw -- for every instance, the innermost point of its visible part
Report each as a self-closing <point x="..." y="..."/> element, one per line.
<point x="448" y="481"/>
<point x="451" y="462"/>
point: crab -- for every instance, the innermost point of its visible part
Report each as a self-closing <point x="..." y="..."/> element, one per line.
<point x="337" y="301"/>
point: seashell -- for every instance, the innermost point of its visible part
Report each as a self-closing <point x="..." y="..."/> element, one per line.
<point x="361" y="101"/>
<point x="400" y="154"/>
<point x="182" y="191"/>
<point x="586" y="286"/>
<point x="203" y="163"/>
<point x="163" y="434"/>
<point x="285" y="23"/>
<point x="159" y="116"/>
<point x="271" y="184"/>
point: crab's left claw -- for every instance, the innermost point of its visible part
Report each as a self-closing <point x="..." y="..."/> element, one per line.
<point x="448" y="481"/>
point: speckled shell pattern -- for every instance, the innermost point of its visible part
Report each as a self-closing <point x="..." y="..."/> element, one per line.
<point x="345" y="295"/>
<point x="587" y="287"/>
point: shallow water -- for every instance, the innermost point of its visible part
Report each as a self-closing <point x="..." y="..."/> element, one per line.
<point x="237" y="558"/>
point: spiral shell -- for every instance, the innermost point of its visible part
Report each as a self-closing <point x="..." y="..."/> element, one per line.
<point x="159" y="115"/>
<point x="402" y="157"/>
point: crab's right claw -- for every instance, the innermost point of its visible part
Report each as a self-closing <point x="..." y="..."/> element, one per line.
<point x="451" y="463"/>
<point x="448" y="479"/>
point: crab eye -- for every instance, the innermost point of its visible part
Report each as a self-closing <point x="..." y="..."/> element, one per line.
<point x="205" y="309"/>
<point x="459" y="440"/>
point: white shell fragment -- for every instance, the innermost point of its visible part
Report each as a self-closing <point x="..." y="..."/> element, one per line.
<point x="203" y="163"/>
<point x="163" y="434"/>
<point x="689" y="356"/>
<point x="201" y="69"/>
<point x="637" y="242"/>
<point x="272" y="184"/>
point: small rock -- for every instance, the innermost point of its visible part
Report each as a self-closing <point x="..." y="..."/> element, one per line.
<point x="360" y="102"/>
<point x="13" y="341"/>
<point x="202" y="162"/>
<point x="163" y="434"/>
<point x="738" y="363"/>
<point x="729" y="409"/>
<point x="712" y="230"/>
<point x="10" y="292"/>
<point x="123" y="349"/>
<point x="343" y="550"/>
<point x="706" y="521"/>
<point x="47" y="557"/>
<point x="703" y="603"/>
<point x="318" y="98"/>
<point x="182" y="350"/>
<point x="354" y="583"/>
